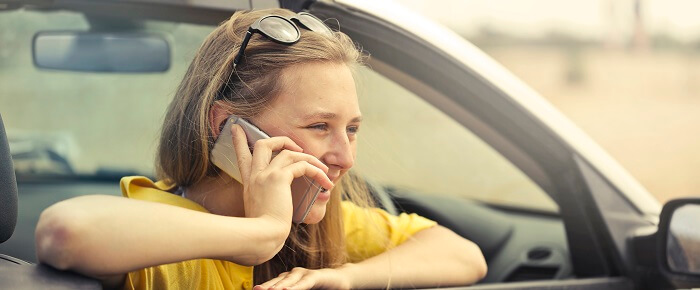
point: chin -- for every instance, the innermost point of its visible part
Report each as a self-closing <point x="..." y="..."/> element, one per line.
<point x="316" y="214"/>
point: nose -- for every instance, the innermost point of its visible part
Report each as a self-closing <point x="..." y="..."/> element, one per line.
<point x="340" y="152"/>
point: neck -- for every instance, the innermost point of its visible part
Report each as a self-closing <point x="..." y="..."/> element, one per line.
<point x="220" y="195"/>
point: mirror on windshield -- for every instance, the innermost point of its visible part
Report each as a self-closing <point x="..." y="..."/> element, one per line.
<point x="683" y="241"/>
<point x="101" y="52"/>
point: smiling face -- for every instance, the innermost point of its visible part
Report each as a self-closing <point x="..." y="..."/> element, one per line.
<point x="318" y="110"/>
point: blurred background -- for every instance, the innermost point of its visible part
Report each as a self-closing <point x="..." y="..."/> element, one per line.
<point x="626" y="71"/>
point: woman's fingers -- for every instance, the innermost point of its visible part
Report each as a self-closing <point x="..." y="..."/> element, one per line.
<point x="268" y="284"/>
<point x="287" y="157"/>
<point x="306" y="282"/>
<point x="290" y="279"/>
<point x="243" y="155"/>
<point x="302" y="278"/>
<point x="262" y="151"/>
<point x="303" y="168"/>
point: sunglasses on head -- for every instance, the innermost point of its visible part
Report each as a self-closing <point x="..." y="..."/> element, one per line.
<point x="282" y="30"/>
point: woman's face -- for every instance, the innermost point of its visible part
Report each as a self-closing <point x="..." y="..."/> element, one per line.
<point x="318" y="110"/>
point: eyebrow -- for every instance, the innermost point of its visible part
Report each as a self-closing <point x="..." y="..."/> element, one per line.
<point x="328" y="116"/>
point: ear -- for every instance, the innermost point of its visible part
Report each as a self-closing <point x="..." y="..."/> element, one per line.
<point x="218" y="114"/>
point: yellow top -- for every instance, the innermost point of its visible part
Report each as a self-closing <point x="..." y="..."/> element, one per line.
<point x="366" y="233"/>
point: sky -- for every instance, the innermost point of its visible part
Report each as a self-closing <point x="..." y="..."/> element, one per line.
<point x="595" y="19"/>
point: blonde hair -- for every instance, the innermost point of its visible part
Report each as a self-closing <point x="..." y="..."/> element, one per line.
<point x="186" y="140"/>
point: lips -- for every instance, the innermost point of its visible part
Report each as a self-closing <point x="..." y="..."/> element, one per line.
<point x="323" y="195"/>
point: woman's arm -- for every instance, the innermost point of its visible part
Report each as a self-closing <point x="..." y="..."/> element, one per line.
<point x="102" y="236"/>
<point x="432" y="257"/>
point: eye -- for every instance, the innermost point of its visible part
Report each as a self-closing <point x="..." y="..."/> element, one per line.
<point x="352" y="130"/>
<point x="320" y="126"/>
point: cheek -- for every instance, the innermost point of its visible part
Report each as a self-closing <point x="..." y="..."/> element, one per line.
<point x="308" y="143"/>
<point x="300" y="136"/>
<point x="353" y="148"/>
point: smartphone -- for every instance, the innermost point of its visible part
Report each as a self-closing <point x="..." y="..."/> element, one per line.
<point x="223" y="155"/>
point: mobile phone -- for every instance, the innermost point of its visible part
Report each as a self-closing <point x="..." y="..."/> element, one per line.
<point x="223" y="155"/>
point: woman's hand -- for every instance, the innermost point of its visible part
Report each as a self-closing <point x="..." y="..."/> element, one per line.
<point x="267" y="179"/>
<point x="301" y="278"/>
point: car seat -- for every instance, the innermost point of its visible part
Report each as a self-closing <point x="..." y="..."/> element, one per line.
<point x="16" y="273"/>
<point x="8" y="197"/>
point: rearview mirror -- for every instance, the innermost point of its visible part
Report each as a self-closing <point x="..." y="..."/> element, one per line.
<point x="101" y="52"/>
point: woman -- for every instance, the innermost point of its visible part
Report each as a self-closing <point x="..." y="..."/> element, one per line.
<point x="199" y="228"/>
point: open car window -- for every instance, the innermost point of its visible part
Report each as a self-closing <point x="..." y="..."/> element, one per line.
<point x="407" y="143"/>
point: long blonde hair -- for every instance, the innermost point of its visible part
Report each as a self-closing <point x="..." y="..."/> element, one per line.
<point x="186" y="140"/>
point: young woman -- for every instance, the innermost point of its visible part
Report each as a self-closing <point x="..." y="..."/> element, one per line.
<point x="198" y="228"/>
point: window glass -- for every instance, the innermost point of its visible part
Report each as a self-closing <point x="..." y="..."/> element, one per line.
<point x="407" y="143"/>
<point x="90" y="122"/>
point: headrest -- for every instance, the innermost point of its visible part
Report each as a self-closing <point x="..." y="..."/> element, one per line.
<point x="8" y="188"/>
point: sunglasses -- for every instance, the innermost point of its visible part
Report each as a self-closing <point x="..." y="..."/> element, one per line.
<point x="282" y="30"/>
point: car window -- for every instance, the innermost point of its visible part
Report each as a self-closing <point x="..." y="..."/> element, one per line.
<point x="84" y="122"/>
<point x="407" y="143"/>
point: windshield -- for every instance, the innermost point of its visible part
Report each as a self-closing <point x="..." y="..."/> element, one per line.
<point x="87" y="123"/>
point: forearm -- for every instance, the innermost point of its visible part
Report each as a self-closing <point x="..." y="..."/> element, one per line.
<point x="432" y="257"/>
<point x="107" y="235"/>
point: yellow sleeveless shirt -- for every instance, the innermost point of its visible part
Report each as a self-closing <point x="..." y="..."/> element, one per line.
<point x="362" y="242"/>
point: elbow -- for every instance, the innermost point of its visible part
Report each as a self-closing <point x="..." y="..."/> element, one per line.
<point x="464" y="255"/>
<point x="266" y="245"/>
<point x="478" y="262"/>
<point x="57" y="234"/>
<point x="470" y="259"/>
<point x="259" y="255"/>
<point x="270" y="243"/>
<point x="475" y="262"/>
<point x="266" y="251"/>
<point x="270" y="250"/>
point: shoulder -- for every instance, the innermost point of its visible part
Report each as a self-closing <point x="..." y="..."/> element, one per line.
<point x="355" y="216"/>
<point x="371" y="231"/>
<point x="366" y="222"/>
<point x="130" y="184"/>
<point x="143" y="188"/>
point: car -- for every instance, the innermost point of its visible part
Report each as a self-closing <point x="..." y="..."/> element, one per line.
<point x="448" y="133"/>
